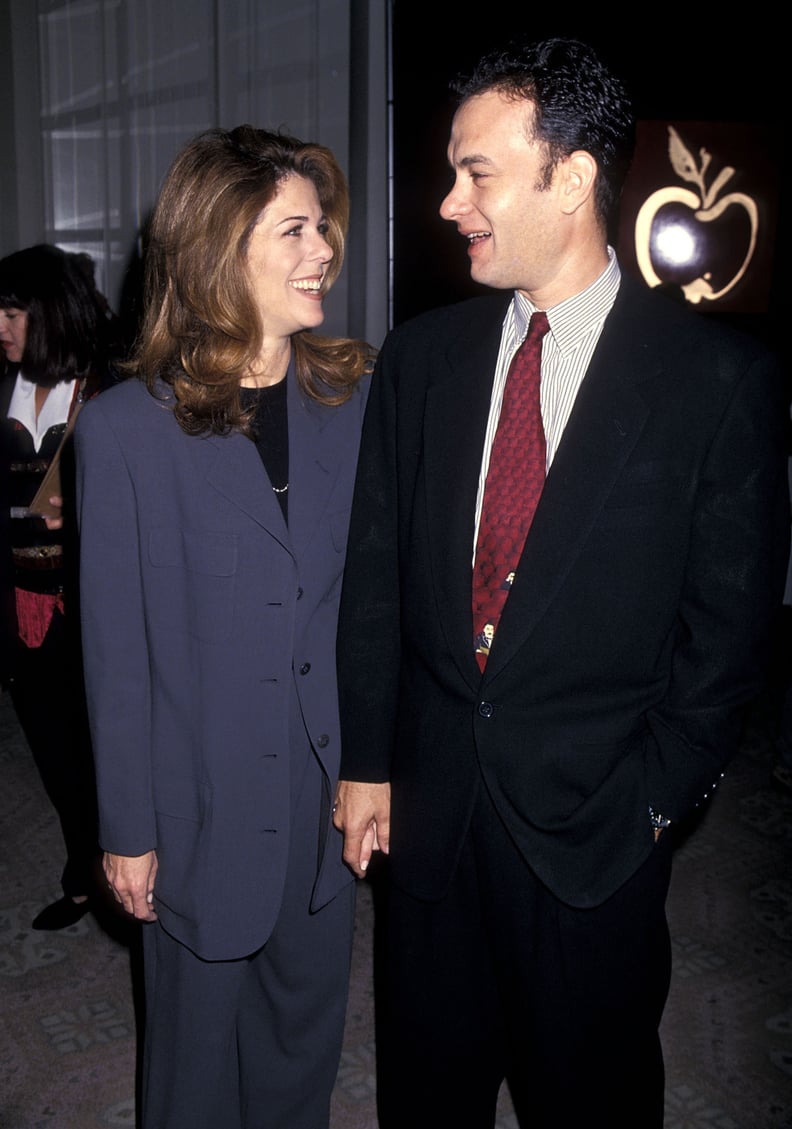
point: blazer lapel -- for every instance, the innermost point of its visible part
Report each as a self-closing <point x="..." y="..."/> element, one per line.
<point x="237" y="472"/>
<point x="315" y="435"/>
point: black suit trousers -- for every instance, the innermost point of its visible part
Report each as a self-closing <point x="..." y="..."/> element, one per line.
<point x="500" y="980"/>
<point x="47" y="692"/>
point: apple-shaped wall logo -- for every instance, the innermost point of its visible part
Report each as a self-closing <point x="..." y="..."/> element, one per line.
<point x="677" y="239"/>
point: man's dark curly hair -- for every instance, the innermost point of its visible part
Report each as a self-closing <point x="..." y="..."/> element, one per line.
<point x="578" y="104"/>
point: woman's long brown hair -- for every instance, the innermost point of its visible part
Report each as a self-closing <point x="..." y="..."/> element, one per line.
<point x="200" y="332"/>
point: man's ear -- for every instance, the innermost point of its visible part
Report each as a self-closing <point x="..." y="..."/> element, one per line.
<point x="578" y="178"/>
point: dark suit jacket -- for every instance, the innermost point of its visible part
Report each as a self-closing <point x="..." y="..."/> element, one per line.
<point x="8" y="620"/>
<point x="637" y="625"/>
<point x="208" y="628"/>
<point x="8" y="624"/>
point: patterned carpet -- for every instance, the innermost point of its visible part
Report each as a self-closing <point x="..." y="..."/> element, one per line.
<point x="68" y="1042"/>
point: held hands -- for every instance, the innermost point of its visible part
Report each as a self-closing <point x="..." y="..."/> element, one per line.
<point x="362" y="813"/>
<point x="132" y="881"/>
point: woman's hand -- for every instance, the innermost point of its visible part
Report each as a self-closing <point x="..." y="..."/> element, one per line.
<point x="132" y="881"/>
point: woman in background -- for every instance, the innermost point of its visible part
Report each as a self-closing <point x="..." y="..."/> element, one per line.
<point x="215" y="489"/>
<point x="55" y="337"/>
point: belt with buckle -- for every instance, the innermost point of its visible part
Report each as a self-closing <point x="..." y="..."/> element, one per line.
<point x="38" y="556"/>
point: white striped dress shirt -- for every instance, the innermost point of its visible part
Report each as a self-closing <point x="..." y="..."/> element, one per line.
<point x="575" y="327"/>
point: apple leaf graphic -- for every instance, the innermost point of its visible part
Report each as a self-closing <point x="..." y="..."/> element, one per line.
<point x="684" y="165"/>
<point x="682" y="160"/>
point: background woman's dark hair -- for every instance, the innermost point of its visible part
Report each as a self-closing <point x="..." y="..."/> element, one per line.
<point x="69" y="327"/>
<point x="201" y="331"/>
<point x="578" y="104"/>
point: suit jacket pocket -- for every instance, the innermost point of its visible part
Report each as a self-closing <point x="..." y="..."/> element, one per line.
<point x="182" y="806"/>
<point x="196" y="572"/>
<point x="640" y="499"/>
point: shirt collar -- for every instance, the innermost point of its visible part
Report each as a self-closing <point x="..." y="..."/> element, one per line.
<point x="55" y="410"/>
<point x="572" y="318"/>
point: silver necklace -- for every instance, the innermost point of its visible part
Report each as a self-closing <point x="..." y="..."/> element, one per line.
<point x="281" y="489"/>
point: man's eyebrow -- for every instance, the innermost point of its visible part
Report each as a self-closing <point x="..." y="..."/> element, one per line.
<point x="475" y="159"/>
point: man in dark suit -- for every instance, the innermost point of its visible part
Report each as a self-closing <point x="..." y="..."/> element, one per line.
<point x="524" y="806"/>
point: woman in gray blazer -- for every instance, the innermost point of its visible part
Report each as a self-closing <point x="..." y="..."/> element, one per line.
<point x="214" y="494"/>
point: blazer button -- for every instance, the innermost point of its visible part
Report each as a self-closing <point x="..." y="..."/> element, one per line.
<point x="299" y="593"/>
<point x="323" y="740"/>
<point x="486" y="709"/>
<point x="305" y="668"/>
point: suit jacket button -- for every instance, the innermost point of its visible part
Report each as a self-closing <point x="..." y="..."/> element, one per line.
<point x="323" y="741"/>
<point x="305" y="668"/>
<point x="486" y="709"/>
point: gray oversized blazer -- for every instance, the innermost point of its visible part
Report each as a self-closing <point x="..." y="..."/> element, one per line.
<point x="207" y="623"/>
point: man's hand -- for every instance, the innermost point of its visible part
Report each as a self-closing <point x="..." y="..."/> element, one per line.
<point x="132" y="882"/>
<point x="362" y="812"/>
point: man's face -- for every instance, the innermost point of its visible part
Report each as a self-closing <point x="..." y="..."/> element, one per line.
<point x="514" y="227"/>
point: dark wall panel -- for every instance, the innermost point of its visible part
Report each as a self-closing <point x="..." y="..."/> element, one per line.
<point x="675" y="68"/>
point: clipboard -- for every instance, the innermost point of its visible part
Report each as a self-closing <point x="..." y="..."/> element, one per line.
<point x="51" y="482"/>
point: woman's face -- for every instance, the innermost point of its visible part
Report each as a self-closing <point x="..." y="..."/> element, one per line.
<point x="13" y="332"/>
<point x="286" y="260"/>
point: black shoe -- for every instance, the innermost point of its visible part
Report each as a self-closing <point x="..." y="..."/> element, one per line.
<point x="61" y="914"/>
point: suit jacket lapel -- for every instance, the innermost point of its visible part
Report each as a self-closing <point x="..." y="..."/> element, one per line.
<point x="6" y="390"/>
<point x="455" y="420"/>
<point x="604" y="426"/>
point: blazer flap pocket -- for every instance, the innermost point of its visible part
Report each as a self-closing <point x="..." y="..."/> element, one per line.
<point x="182" y="797"/>
<point x="196" y="550"/>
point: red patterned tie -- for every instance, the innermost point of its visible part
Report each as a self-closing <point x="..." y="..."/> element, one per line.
<point x="514" y="484"/>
